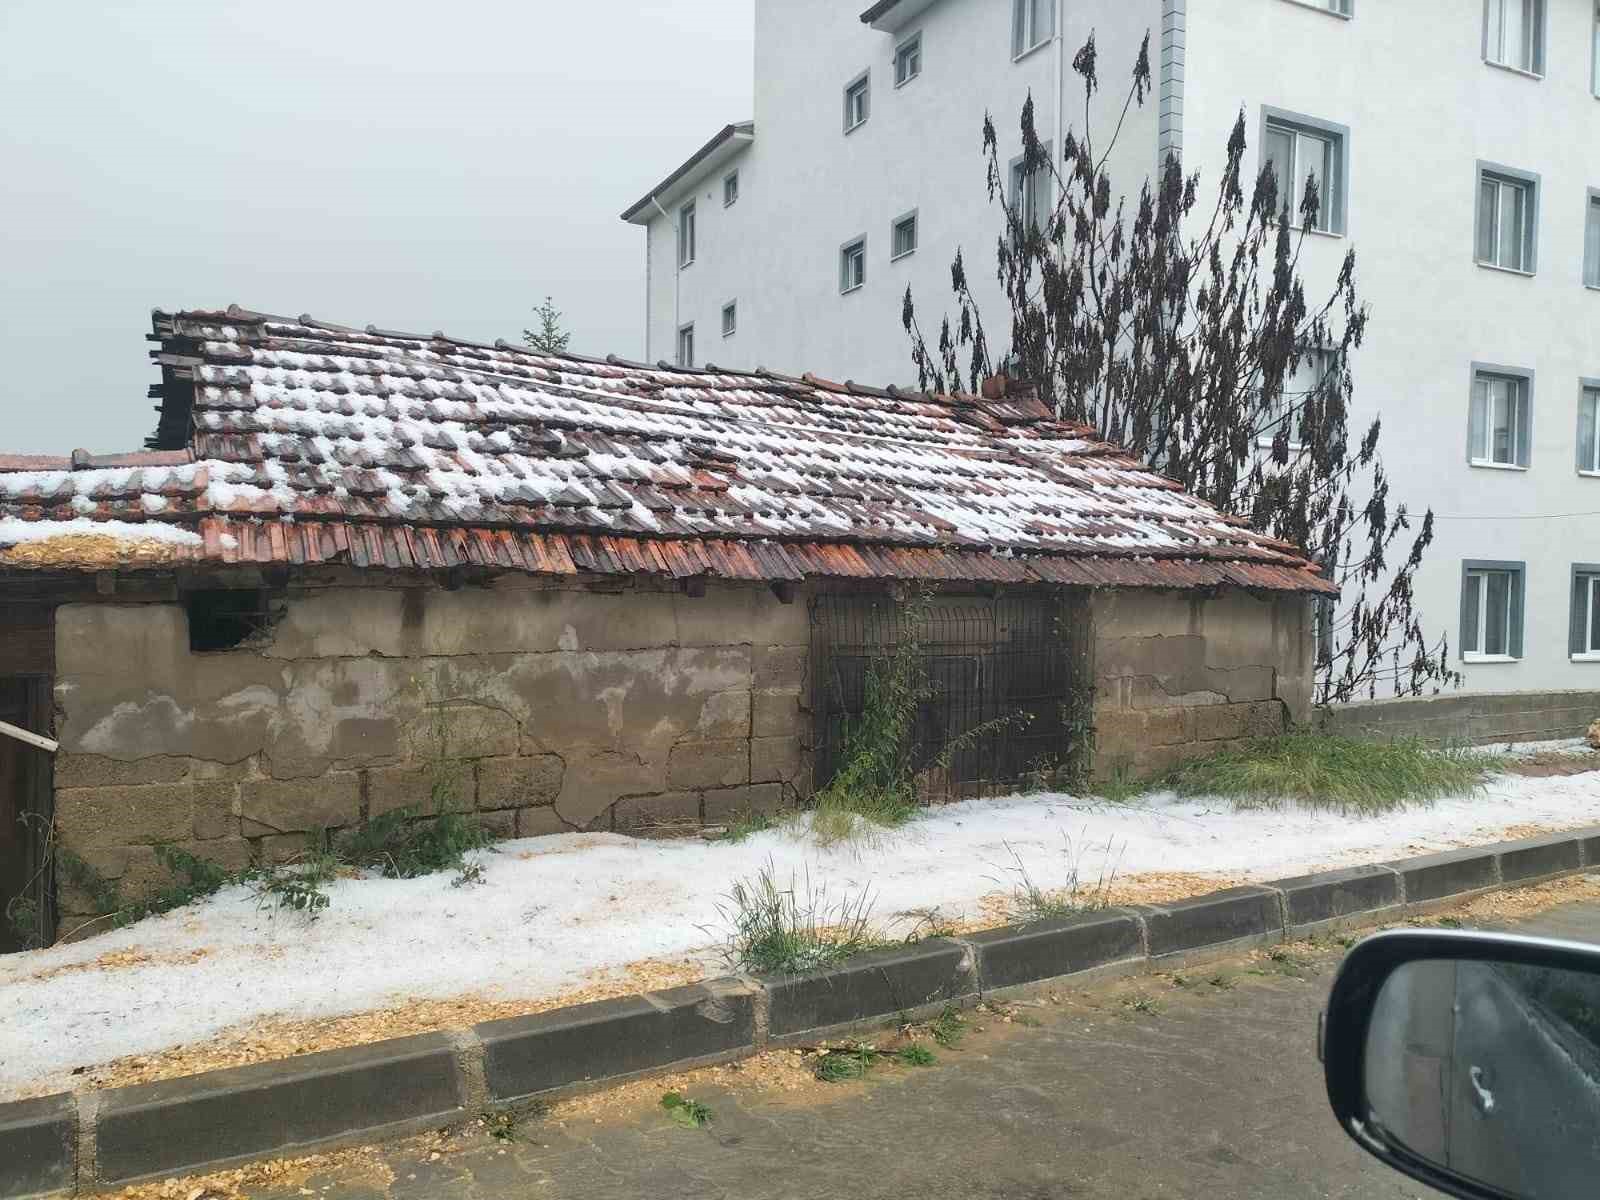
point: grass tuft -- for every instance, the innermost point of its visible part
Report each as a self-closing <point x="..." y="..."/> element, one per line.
<point x="949" y="1027"/>
<point x="1320" y="771"/>
<point x="1029" y="903"/>
<point x="787" y="929"/>
<point x="915" y="1055"/>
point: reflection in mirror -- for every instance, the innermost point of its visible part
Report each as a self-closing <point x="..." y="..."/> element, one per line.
<point x="1490" y="1070"/>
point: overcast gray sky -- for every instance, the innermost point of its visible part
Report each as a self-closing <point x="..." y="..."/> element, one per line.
<point x="413" y="165"/>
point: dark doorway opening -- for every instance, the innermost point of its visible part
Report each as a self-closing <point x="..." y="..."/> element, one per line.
<point x="27" y="888"/>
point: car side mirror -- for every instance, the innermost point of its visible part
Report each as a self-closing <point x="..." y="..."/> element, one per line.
<point x="1470" y="1061"/>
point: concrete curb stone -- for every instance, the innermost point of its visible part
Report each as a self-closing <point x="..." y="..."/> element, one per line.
<point x="1331" y="894"/>
<point x="1017" y="954"/>
<point x="1225" y="916"/>
<point x="405" y="1085"/>
<point x="245" y="1112"/>
<point x="1433" y="876"/>
<point x="38" y="1143"/>
<point x="877" y="983"/>
<point x="524" y="1056"/>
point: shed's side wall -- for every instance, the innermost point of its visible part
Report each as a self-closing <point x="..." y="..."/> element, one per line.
<point x="563" y="708"/>
<point x="1179" y="674"/>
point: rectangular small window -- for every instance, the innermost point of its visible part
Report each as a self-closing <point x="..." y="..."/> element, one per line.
<point x="904" y="241"/>
<point x="1299" y="153"/>
<point x="1584" y="639"/>
<point x="686" y="346"/>
<point x="853" y="265"/>
<point x="1491" y="611"/>
<point x="1591" y="241"/>
<point x="1589" y="427"/>
<point x="1030" y="195"/>
<point x="730" y="188"/>
<point x="730" y="318"/>
<point x="908" y="59"/>
<point x="1507" y="209"/>
<point x="1300" y="384"/>
<point x="1498" y="423"/>
<point x="225" y="619"/>
<point x="857" y="102"/>
<point x="1513" y="34"/>
<point x="1033" y="23"/>
<point x="686" y="235"/>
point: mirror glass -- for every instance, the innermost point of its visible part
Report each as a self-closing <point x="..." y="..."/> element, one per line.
<point x="1490" y="1070"/>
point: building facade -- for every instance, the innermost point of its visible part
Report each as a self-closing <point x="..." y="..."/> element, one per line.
<point x="1463" y="141"/>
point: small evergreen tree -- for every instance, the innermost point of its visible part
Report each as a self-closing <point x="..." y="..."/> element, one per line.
<point x="549" y="338"/>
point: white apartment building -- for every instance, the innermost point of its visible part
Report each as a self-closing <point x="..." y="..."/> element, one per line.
<point x="1462" y="139"/>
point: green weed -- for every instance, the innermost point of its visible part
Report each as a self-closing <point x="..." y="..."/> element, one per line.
<point x="1321" y="771"/>
<point x="1223" y="983"/>
<point x="782" y="929"/>
<point x="1029" y="903"/>
<point x="915" y="1055"/>
<point x="746" y="824"/>
<point x="686" y="1112"/>
<point x="1141" y="1003"/>
<point x="949" y="1027"/>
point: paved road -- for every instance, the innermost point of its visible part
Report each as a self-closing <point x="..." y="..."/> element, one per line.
<point x="1218" y="1094"/>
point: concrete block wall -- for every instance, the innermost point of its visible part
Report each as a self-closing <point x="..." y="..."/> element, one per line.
<point x="1481" y="719"/>
<point x="1183" y="674"/>
<point x="558" y="707"/>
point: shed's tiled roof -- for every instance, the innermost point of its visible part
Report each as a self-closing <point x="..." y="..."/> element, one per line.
<point x="289" y="440"/>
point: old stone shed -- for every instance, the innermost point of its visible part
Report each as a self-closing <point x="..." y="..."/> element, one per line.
<point x="621" y="595"/>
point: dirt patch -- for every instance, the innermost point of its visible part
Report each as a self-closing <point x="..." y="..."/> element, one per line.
<point x="275" y="1038"/>
<point x="122" y="960"/>
<point x="363" y="1165"/>
<point x="1150" y="887"/>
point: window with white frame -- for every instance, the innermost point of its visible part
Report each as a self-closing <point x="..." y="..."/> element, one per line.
<point x="730" y="318"/>
<point x="1497" y="430"/>
<point x="904" y="239"/>
<point x="1030" y="194"/>
<point x="1298" y="386"/>
<point x="1491" y="611"/>
<point x="908" y="59"/>
<point x="1513" y="34"/>
<point x="853" y="265"/>
<point x="1589" y="427"/>
<point x="1033" y="23"/>
<point x="1584" y="638"/>
<point x="730" y="188"/>
<point x="686" y="345"/>
<point x="1508" y="211"/>
<point x="686" y="234"/>
<point x="857" y="101"/>
<point x="1300" y="151"/>
<point x="1591" y="241"/>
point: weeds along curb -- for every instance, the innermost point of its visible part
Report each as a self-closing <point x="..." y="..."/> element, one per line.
<point x="97" y="1140"/>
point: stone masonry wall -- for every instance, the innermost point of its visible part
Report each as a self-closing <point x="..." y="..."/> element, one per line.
<point x="1184" y="674"/>
<point x="1476" y="719"/>
<point x="565" y="708"/>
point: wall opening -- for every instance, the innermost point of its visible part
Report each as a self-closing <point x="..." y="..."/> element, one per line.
<point x="225" y="619"/>
<point x="1007" y="680"/>
<point x="27" y="885"/>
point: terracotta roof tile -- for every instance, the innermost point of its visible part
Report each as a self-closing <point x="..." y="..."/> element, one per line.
<point x="313" y="442"/>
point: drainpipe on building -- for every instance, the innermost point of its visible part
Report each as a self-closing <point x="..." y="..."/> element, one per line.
<point x="1061" y="78"/>
<point x="677" y="277"/>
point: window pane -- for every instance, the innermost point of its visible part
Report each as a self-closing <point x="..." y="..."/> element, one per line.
<point x="1594" y="615"/>
<point x="1311" y="156"/>
<point x="1513" y="215"/>
<point x="1019" y="26"/>
<point x="1514" y="28"/>
<point x="1591" y="239"/>
<point x="1501" y="432"/>
<point x="1497" y="612"/>
<point x="1488" y="218"/>
<point x="1280" y="153"/>
<point x="1044" y="20"/>
<point x="1471" y="613"/>
<point x="1588" y="428"/>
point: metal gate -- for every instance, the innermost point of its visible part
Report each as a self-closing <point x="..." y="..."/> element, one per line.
<point x="1001" y="684"/>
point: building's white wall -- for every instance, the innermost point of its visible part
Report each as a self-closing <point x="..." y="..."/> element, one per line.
<point x="1423" y="108"/>
<point x="807" y="187"/>
<point x="1406" y="77"/>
